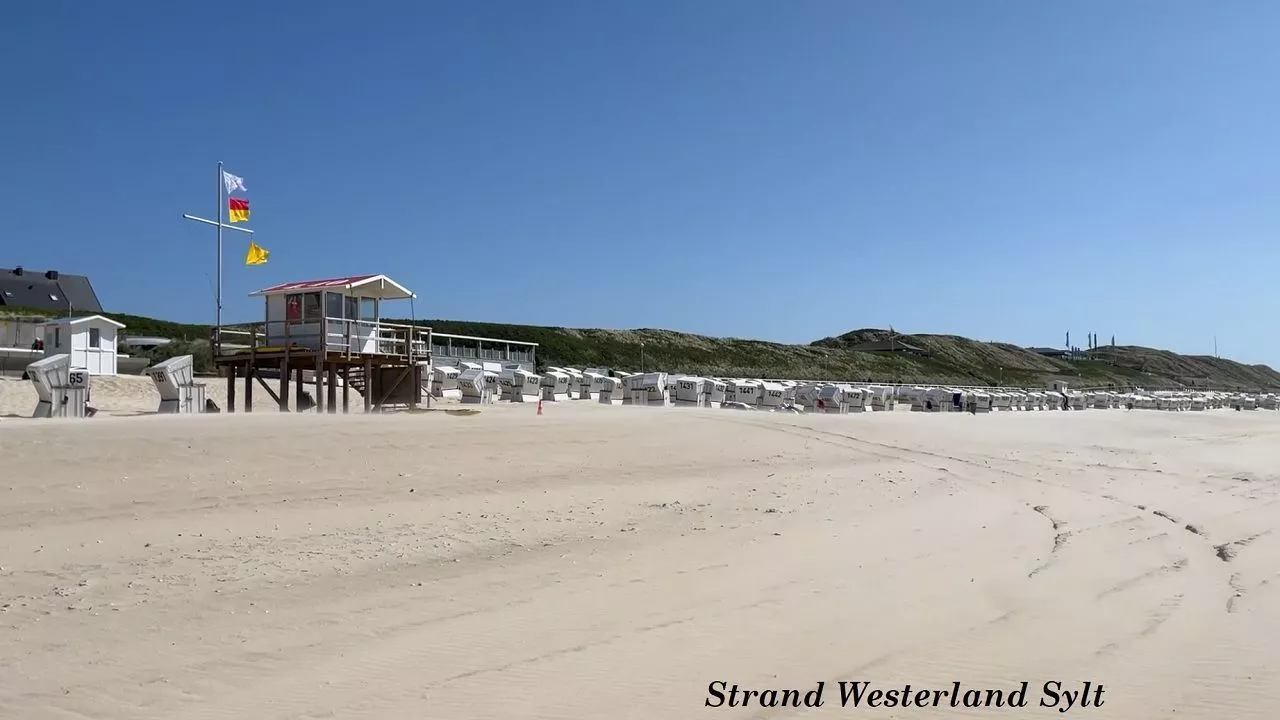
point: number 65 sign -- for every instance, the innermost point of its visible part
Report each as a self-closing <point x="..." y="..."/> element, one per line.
<point x="78" y="378"/>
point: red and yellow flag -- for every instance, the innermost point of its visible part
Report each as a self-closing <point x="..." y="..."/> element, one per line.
<point x="239" y="208"/>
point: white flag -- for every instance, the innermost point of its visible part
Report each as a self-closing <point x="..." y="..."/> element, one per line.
<point x="233" y="183"/>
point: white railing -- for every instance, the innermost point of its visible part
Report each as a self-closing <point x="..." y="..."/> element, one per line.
<point x="350" y="337"/>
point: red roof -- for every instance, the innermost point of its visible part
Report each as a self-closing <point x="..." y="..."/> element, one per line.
<point x="375" y="286"/>
<point x="316" y="284"/>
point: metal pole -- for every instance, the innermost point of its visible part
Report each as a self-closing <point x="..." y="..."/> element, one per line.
<point x="224" y="225"/>
<point x="217" y="320"/>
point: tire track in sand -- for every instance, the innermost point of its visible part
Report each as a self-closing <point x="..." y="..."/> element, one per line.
<point x="1059" y="539"/>
<point x="1156" y="615"/>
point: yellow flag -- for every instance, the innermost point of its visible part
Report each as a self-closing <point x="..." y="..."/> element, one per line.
<point x="257" y="254"/>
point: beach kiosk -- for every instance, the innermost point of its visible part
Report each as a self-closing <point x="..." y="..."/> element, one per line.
<point x="331" y="328"/>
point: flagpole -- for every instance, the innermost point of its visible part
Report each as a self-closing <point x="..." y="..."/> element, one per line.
<point x="217" y="332"/>
<point x="224" y="192"/>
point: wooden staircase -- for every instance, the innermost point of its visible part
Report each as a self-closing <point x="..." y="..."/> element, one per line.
<point x="360" y="383"/>
<point x="357" y="380"/>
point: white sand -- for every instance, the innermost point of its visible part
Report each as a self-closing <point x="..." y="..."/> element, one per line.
<point x="607" y="562"/>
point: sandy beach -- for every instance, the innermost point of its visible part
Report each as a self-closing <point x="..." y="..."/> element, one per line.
<point x="613" y="562"/>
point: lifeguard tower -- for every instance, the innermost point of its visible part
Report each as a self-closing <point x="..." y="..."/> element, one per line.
<point x="331" y="327"/>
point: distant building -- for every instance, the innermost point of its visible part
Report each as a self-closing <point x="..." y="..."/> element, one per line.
<point x="47" y="290"/>
<point x="889" y="346"/>
<point x="143" y="342"/>
<point x="1050" y="352"/>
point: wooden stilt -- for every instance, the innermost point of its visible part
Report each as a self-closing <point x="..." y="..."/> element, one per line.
<point x="332" y="402"/>
<point x="284" y="384"/>
<point x="231" y="388"/>
<point x="298" y="390"/>
<point x="368" y="384"/>
<point x="249" y="372"/>
<point x="346" y="389"/>
<point x="319" y="383"/>
<point x="415" y="377"/>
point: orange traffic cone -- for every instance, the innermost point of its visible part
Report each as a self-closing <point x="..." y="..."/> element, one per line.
<point x="539" y="407"/>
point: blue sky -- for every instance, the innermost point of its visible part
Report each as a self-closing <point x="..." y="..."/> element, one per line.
<point x="784" y="170"/>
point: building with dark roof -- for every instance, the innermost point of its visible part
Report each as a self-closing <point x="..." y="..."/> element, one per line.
<point x="892" y="345"/>
<point x="47" y="290"/>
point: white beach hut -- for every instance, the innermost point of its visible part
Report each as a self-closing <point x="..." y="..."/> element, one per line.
<point x="61" y="390"/>
<point x="444" y="382"/>
<point x="981" y="401"/>
<point x="655" y="384"/>
<point x="746" y="392"/>
<point x="518" y="384"/>
<point x="858" y="398"/>
<point x="916" y="395"/>
<point x="633" y="390"/>
<point x="772" y="395"/>
<point x="612" y="391"/>
<point x="671" y="384"/>
<point x="90" y="342"/>
<point x="175" y="381"/>
<point x="831" y="399"/>
<point x="941" y="399"/>
<point x="492" y="385"/>
<point x="555" y="385"/>
<point x="575" y="382"/>
<point x="590" y="384"/>
<point x="715" y="392"/>
<point x="883" y="398"/>
<point x="472" y="388"/>
<point x="807" y="394"/>
<point x="689" y="391"/>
